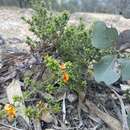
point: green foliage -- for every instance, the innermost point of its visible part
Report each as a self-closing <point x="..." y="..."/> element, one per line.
<point x="57" y="74"/>
<point x="27" y="81"/>
<point x="75" y="71"/>
<point x="72" y="43"/>
<point x="56" y="107"/>
<point x="32" y="113"/>
<point x="45" y="24"/>
<point x="17" y="99"/>
<point x="2" y="114"/>
<point x="52" y="63"/>
<point x="75" y="45"/>
<point x="110" y="68"/>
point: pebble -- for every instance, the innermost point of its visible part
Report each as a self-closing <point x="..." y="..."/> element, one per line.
<point x="72" y="97"/>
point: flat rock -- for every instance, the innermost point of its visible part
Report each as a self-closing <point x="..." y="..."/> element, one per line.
<point x="116" y="21"/>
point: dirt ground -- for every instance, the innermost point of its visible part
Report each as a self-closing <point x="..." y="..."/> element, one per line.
<point x="11" y="24"/>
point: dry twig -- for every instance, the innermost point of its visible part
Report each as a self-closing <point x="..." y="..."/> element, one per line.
<point x="124" y="116"/>
<point x="9" y="126"/>
<point x="113" y="123"/>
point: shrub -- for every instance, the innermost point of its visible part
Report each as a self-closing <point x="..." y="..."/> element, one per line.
<point x="76" y="52"/>
<point x="47" y="26"/>
<point x="71" y="42"/>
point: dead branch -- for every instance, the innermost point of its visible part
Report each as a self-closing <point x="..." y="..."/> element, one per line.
<point x="124" y="116"/>
<point x="9" y="126"/>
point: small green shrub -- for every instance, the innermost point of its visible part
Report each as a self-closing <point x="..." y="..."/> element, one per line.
<point x="74" y="46"/>
<point x="2" y="114"/>
<point x="17" y="99"/>
<point x="71" y="42"/>
<point x="32" y="113"/>
<point x="47" y="26"/>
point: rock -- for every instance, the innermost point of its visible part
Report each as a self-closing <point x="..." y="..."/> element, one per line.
<point x="124" y="40"/>
<point x="72" y="97"/>
<point x="17" y="48"/>
<point x="28" y="73"/>
<point x="32" y="60"/>
<point x="14" y="89"/>
<point x="14" y="40"/>
<point x="126" y="9"/>
<point x="47" y="117"/>
<point x="13" y="45"/>
<point x="128" y="82"/>
<point x="125" y="87"/>
<point x="37" y="125"/>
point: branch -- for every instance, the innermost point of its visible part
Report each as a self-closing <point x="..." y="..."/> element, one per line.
<point x="9" y="126"/>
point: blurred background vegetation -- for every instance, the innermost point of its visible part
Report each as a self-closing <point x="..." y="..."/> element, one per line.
<point x="104" y="6"/>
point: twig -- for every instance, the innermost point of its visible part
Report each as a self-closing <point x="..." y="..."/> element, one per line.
<point x="8" y="77"/>
<point x="64" y="108"/>
<point x="113" y="123"/>
<point x="116" y="109"/>
<point x="37" y="125"/>
<point x="79" y="114"/>
<point x="9" y="126"/>
<point x="60" y="128"/>
<point x="124" y="116"/>
<point x="96" y="127"/>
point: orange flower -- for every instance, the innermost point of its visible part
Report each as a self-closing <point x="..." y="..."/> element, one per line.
<point x="62" y="66"/>
<point x="10" y="111"/>
<point x="65" y="77"/>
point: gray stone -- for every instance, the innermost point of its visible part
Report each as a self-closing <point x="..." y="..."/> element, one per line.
<point x="126" y="12"/>
<point x="72" y="97"/>
<point x="124" y="40"/>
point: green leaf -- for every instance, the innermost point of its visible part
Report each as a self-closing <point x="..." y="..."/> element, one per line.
<point x="125" y="68"/>
<point x="102" y="36"/>
<point x="106" y="70"/>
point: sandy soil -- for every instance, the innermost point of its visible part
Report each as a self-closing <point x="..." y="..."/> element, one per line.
<point x="11" y="24"/>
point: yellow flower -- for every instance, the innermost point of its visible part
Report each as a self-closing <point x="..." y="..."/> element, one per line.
<point x="10" y="111"/>
<point x="65" y="77"/>
<point x="62" y="66"/>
